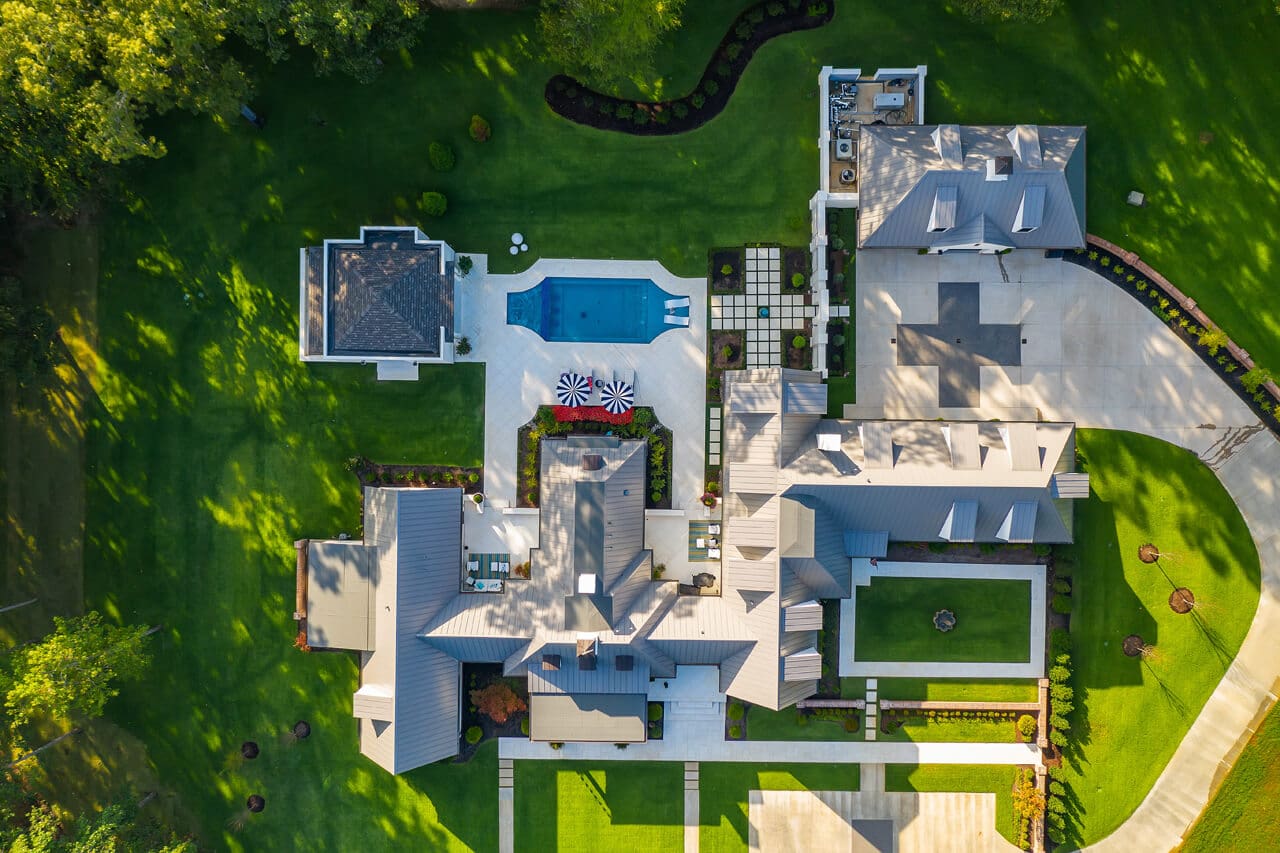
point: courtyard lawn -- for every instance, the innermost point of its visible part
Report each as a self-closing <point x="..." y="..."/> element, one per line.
<point x="1131" y="714"/>
<point x="613" y="805"/>
<point x="1244" y="814"/>
<point x="894" y="620"/>
<point x="960" y="690"/>
<point x="923" y="729"/>
<point x="724" y="788"/>
<point x="763" y="724"/>
<point x="960" y="778"/>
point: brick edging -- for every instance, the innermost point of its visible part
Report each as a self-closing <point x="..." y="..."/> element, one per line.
<point x="1186" y="303"/>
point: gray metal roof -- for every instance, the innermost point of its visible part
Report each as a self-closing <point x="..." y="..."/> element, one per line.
<point x="1019" y="524"/>
<point x="1069" y="484"/>
<point x="901" y="173"/>
<point x="592" y="717"/>
<point x="607" y="677"/>
<point x="866" y="543"/>
<point x="340" y="612"/>
<point x="388" y="294"/>
<point x="807" y="398"/>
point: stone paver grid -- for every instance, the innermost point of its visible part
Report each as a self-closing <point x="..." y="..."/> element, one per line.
<point x="763" y="277"/>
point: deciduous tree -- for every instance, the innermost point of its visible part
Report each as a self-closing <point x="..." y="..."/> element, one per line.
<point x="1010" y="10"/>
<point x="497" y="702"/>
<point x="606" y="39"/>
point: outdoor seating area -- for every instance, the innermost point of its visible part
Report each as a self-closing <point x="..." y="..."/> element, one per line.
<point x="486" y="572"/>
<point x="612" y="391"/>
<point x="704" y="541"/>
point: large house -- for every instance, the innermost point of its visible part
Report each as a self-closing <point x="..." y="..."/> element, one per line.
<point x="806" y="499"/>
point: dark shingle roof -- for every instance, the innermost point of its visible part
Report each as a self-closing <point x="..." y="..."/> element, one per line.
<point x="387" y="295"/>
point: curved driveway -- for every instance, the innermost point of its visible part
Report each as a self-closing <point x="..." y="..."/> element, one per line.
<point x="1097" y="356"/>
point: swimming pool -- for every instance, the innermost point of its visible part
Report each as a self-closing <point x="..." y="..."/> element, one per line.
<point x="593" y="310"/>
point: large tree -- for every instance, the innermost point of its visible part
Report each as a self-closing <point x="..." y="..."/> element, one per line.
<point x="28" y="346"/>
<point x="115" y="829"/>
<point x="606" y="39"/>
<point x="1010" y="10"/>
<point x="74" y="670"/>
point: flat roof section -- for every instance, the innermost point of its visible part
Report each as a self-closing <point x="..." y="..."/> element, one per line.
<point x="339" y="595"/>
<point x="591" y="717"/>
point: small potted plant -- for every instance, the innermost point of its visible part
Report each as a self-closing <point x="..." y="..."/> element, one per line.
<point x="478" y="498"/>
<point x="709" y="500"/>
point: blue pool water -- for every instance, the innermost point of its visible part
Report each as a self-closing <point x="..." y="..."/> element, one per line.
<point x="593" y="310"/>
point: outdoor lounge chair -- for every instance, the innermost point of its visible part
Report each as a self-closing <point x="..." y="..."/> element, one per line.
<point x="473" y="565"/>
<point x="713" y="529"/>
<point x="673" y="304"/>
<point x="713" y="553"/>
<point x="673" y="320"/>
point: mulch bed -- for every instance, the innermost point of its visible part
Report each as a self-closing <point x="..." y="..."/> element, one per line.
<point x="1132" y="645"/>
<point x="1181" y="600"/>
<point x="794" y="261"/>
<point x="375" y="474"/>
<point x="1148" y="553"/>
<point x="797" y="358"/>
<point x="736" y="340"/>
<point x="575" y="101"/>
<point x="1227" y="368"/>
<point x="474" y="677"/>
<point x="835" y="352"/>
<point x="920" y="552"/>
<point x="734" y="282"/>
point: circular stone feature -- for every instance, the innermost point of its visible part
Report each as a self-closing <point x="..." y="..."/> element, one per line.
<point x="524" y="247"/>
<point x="517" y="238"/>
<point x="1148" y="553"/>
<point x="944" y="620"/>
<point x="515" y="250"/>
<point x="763" y="311"/>
<point x="1181" y="600"/>
<point x="1133" y="645"/>
<point x="249" y="750"/>
<point x="255" y="803"/>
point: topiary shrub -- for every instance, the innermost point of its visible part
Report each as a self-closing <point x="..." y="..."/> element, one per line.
<point x="625" y="110"/>
<point x="1057" y="738"/>
<point x="1062" y="585"/>
<point x="524" y="727"/>
<point x="735" y="732"/>
<point x="441" y="156"/>
<point x="1061" y="604"/>
<point x="697" y="100"/>
<point x="710" y="87"/>
<point x="463" y="346"/>
<point x="850" y="724"/>
<point x="797" y="280"/>
<point x="433" y="203"/>
<point x="798" y="342"/>
<point x="479" y="128"/>
<point x="655" y="711"/>
<point x="679" y="109"/>
<point x="474" y="734"/>
<point x="1027" y="726"/>
<point x="736" y="711"/>
<point x="465" y="265"/>
<point x="555" y="744"/>
<point x="733" y="50"/>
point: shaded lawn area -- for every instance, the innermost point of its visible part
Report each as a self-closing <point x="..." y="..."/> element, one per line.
<point x="960" y="690"/>
<point x="615" y="805"/>
<point x="763" y="724"/>
<point x="1131" y="714"/>
<point x="960" y="778"/>
<point x="1245" y="812"/>
<point x="724" y="787"/>
<point x="894" y="620"/>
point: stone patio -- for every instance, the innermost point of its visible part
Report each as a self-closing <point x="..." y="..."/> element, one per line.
<point x="764" y="290"/>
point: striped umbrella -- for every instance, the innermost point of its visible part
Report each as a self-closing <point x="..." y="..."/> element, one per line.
<point x="617" y="397"/>
<point x="573" y="389"/>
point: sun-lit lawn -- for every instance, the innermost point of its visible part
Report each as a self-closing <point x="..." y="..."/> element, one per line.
<point x="960" y="690"/>
<point x="894" y="620"/>
<point x="611" y="805"/>
<point x="724" y="788"/>
<point x="1244" y="814"/>
<point x="1131" y="714"/>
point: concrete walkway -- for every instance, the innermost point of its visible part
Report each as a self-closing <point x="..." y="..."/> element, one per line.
<point x="506" y="806"/>
<point x="1100" y="358"/>
<point x="805" y="821"/>
<point x="692" y="807"/>
<point x="708" y="748"/>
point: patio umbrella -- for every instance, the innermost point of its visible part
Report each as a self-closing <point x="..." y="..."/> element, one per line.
<point x="573" y="389"/>
<point x="617" y="397"/>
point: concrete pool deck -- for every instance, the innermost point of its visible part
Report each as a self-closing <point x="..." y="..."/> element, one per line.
<point x="521" y="369"/>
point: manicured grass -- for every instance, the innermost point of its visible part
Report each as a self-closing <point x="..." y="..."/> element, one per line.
<point x="960" y="778"/>
<point x="1131" y="714"/>
<point x="957" y="690"/>
<point x="1244" y="814"/>
<point x="922" y="729"/>
<point x="724" y="790"/>
<point x="894" y="620"/>
<point x="614" y="805"/>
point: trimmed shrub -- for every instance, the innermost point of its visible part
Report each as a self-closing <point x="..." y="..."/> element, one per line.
<point x="524" y="727"/>
<point x="655" y="712"/>
<point x="710" y="87"/>
<point x="606" y="108"/>
<point x="1026" y="725"/>
<point x="850" y="724"/>
<point x="640" y="117"/>
<point x="1059" y="722"/>
<point x="679" y="109"/>
<point x="1062" y="585"/>
<point x="733" y="50"/>
<point x="474" y="734"/>
<point x="625" y="110"/>
<point x="555" y="744"/>
<point x="433" y="203"/>
<point x="756" y="15"/>
<point x="1057" y="789"/>
<point x="1061" y="692"/>
<point x="735" y="732"/>
<point x="1061" y="604"/>
<point x="1059" y="642"/>
<point x="797" y="280"/>
<point x="736" y="711"/>
<point x="441" y="157"/>
<point x="1059" y="674"/>
<point x="1057" y="738"/>
<point x="798" y="342"/>
<point x="465" y="264"/>
<point x="463" y="346"/>
<point x="479" y="129"/>
<point x="723" y="69"/>
<point x="697" y="100"/>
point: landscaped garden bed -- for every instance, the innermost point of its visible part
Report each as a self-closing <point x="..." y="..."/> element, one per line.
<point x="728" y="349"/>
<point x="644" y="424"/>
<point x="752" y="28"/>
<point x="839" y="335"/>
<point x="797" y="351"/>
<point x="725" y="271"/>
<point x="496" y="706"/>
<point x="1253" y="384"/>
<point x="795" y="269"/>
<point x="965" y="552"/>
<point x="369" y="473"/>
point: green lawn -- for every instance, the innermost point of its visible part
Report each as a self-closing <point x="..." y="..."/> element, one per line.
<point x="209" y="448"/>
<point x="925" y="730"/>
<point x="763" y="724"/>
<point x="724" y="787"/>
<point x="894" y="620"/>
<point x="1244" y="814"/>
<point x="1130" y="714"/>
<point x="960" y="690"/>
<point x="615" y="805"/>
<point x="960" y="778"/>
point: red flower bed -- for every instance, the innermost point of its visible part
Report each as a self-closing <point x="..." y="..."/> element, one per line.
<point x="573" y="414"/>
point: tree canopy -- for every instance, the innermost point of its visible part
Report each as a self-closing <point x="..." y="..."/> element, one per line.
<point x="28" y="335"/>
<point x="1010" y="10"/>
<point x="74" y="670"/>
<point x="606" y="39"/>
<point x="43" y="829"/>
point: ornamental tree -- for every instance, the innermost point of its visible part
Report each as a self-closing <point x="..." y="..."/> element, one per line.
<point x="497" y="701"/>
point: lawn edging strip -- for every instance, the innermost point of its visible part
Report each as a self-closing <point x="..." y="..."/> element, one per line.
<point x="571" y="99"/>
